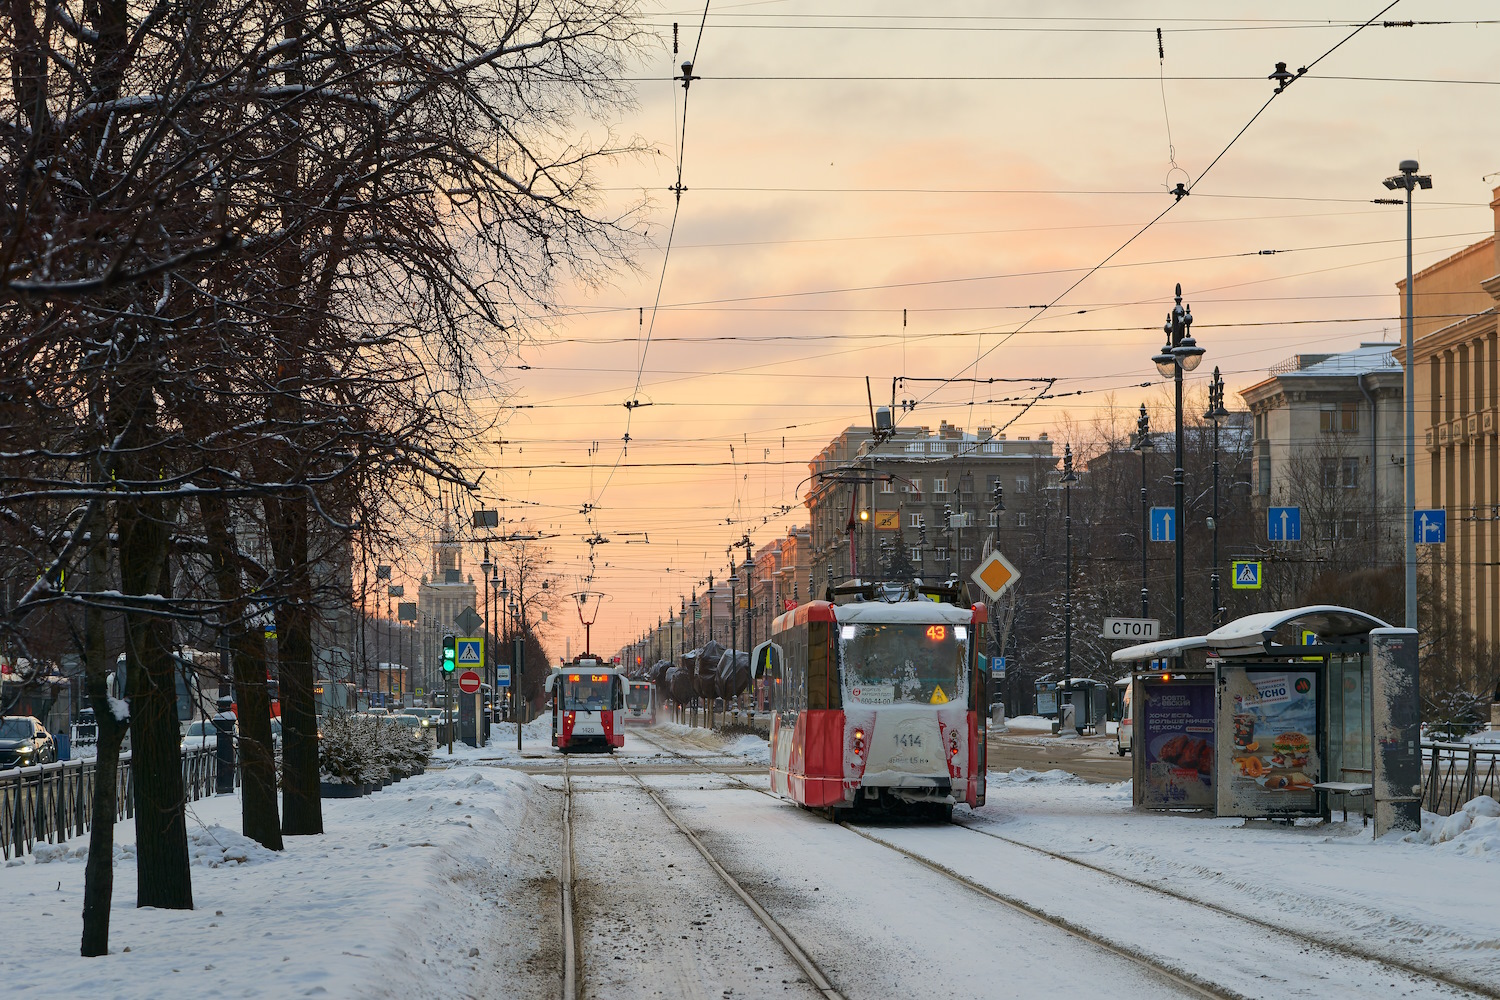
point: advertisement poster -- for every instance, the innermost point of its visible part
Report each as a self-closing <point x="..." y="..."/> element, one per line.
<point x="1176" y="727"/>
<point x="1268" y="728"/>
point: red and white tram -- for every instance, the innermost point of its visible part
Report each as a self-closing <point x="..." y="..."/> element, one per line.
<point x="640" y="704"/>
<point x="879" y="703"/>
<point x="588" y="706"/>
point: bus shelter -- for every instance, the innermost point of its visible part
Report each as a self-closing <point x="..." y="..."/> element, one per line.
<point x="1280" y="715"/>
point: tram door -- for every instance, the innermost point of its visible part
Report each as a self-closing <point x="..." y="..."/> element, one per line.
<point x="980" y="703"/>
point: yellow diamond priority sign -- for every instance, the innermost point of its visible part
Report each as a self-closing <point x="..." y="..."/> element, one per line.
<point x="995" y="574"/>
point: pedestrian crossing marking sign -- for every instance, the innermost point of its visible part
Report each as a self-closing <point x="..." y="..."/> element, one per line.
<point x="470" y="652"/>
<point x="1246" y="575"/>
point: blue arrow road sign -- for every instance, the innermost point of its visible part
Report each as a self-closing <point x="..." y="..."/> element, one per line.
<point x="1284" y="524"/>
<point x="1429" y="526"/>
<point x="470" y="653"/>
<point x="1163" y="525"/>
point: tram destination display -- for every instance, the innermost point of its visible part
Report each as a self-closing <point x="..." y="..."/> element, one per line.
<point x="1269" y="739"/>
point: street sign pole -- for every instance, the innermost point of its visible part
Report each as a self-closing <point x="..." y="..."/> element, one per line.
<point x="448" y="707"/>
<point x="519" y="661"/>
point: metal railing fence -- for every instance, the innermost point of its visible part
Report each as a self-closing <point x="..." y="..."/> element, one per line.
<point x="52" y="803"/>
<point x="1454" y="773"/>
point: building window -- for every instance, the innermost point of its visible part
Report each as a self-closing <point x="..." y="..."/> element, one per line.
<point x="1021" y="519"/>
<point x="912" y="486"/>
<point x="887" y="486"/>
<point x="1340" y="473"/>
<point x="1338" y="418"/>
<point x="915" y="447"/>
<point x="940" y="485"/>
<point x="966" y="554"/>
<point x="941" y="555"/>
<point x="1349" y="418"/>
<point x="914" y="520"/>
<point x="1263" y="487"/>
<point x="966" y="485"/>
<point x="1328" y="418"/>
<point x="1023" y="484"/>
<point x="994" y="519"/>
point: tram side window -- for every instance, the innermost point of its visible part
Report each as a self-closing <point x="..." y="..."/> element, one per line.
<point x="822" y="681"/>
<point x="619" y="699"/>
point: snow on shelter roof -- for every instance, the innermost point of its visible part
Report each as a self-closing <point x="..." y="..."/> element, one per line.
<point x="1157" y="650"/>
<point x="1328" y="622"/>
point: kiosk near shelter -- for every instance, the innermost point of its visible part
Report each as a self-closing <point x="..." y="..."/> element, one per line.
<point x="1280" y="715"/>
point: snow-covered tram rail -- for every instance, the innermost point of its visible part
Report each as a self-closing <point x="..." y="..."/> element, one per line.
<point x="878" y="704"/>
<point x="588" y="706"/>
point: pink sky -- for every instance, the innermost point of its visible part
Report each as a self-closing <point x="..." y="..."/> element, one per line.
<point x="1297" y="182"/>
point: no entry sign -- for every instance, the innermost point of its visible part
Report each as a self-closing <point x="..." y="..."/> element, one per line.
<point x="468" y="682"/>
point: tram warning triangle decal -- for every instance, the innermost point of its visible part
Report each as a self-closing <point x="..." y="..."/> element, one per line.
<point x="938" y="698"/>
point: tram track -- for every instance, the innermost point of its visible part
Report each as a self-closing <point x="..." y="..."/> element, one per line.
<point x="783" y="937"/>
<point x="1480" y="988"/>
<point x="565" y="879"/>
<point x="1179" y="977"/>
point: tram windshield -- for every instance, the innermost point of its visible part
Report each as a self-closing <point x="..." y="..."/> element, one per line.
<point x="585" y="692"/>
<point x="638" y="697"/>
<point x="908" y="663"/>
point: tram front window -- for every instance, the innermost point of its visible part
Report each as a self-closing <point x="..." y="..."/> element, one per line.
<point x="585" y="695"/>
<point x="910" y="664"/>
<point x="638" y="698"/>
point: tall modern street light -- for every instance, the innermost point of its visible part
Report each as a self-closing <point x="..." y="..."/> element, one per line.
<point x="1144" y="444"/>
<point x="1216" y="412"/>
<point x="1069" y="477"/>
<point x="1179" y="354"/>
<point x="1409" y="180"/>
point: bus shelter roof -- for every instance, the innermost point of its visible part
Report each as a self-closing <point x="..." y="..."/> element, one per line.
<point x="1160" y="649"/>
<point x="1260" y="633"/>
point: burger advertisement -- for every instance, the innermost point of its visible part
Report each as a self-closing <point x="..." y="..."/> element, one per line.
<point x="1270" y="755"/>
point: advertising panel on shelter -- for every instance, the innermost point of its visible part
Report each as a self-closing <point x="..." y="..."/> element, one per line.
<point x="1176" y="727"/>
<point x="1269" y="729"/>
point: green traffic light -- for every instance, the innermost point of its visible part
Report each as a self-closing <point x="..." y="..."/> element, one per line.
<point x="449" y="654"/>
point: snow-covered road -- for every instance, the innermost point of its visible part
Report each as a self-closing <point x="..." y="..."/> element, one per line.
<point x="447" y="885"/>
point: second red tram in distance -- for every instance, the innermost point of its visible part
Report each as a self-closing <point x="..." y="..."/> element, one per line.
<point x="640" y="703"/>
<point x="588" y="706"/>
<point x="879" y="703"/>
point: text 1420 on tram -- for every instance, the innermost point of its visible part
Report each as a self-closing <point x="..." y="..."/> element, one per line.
<point x="588" y="706"/>
<point x="878" y="700"/>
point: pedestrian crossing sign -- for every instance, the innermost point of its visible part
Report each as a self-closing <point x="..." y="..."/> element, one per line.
<point x="470" y="652"/>
<point x="1246" y="574"/>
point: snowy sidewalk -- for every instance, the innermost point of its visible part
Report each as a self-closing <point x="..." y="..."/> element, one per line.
<point x="436" y="886"/>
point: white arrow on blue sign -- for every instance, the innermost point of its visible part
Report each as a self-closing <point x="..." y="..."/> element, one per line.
<point x="1163" y="524"/>
<point x="1430" y="526"/>
<point x="1284" y="524"/>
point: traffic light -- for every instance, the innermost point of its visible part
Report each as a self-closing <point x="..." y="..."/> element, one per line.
<point x="449" y="653"/>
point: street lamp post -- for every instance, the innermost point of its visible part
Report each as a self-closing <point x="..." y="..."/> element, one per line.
<point x="502" y="604"/>
<point x="1144" y="444"/>
<point x="697" y="664"/>
<point x="1409" y="180"/>
<point x="1069" y="477"/>
<point x="485" y="569"/>
<point x="1216" y="412"/>
<point x="495" y="654"/>
<point x="1179" y="354"/>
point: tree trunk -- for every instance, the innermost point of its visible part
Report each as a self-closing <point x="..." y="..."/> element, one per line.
<point x="258" y="806"/>
<point x="163" y="877"/>
<point x="302" y="808"/>
<point x="99" y="872"/>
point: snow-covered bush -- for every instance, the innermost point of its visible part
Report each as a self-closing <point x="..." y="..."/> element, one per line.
<point x="356" y="749"/>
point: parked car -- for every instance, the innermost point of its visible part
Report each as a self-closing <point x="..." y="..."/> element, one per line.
<point x="24" y="741"/>
<point x="201" y="735"/>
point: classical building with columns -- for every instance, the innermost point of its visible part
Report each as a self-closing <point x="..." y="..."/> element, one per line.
<point x="1457" y="397"/>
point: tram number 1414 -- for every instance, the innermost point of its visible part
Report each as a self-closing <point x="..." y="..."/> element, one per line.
<point x="909" y="740"/>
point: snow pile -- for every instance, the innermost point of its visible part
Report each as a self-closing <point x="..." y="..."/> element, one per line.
<point x="43" y="854"/>
<point x="1484" y="736"/>
<point x="754" y="749"/>
<point x="1056" y="776"/>
<point x="216" y="846"/>
<point x="1474" y="829"/>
